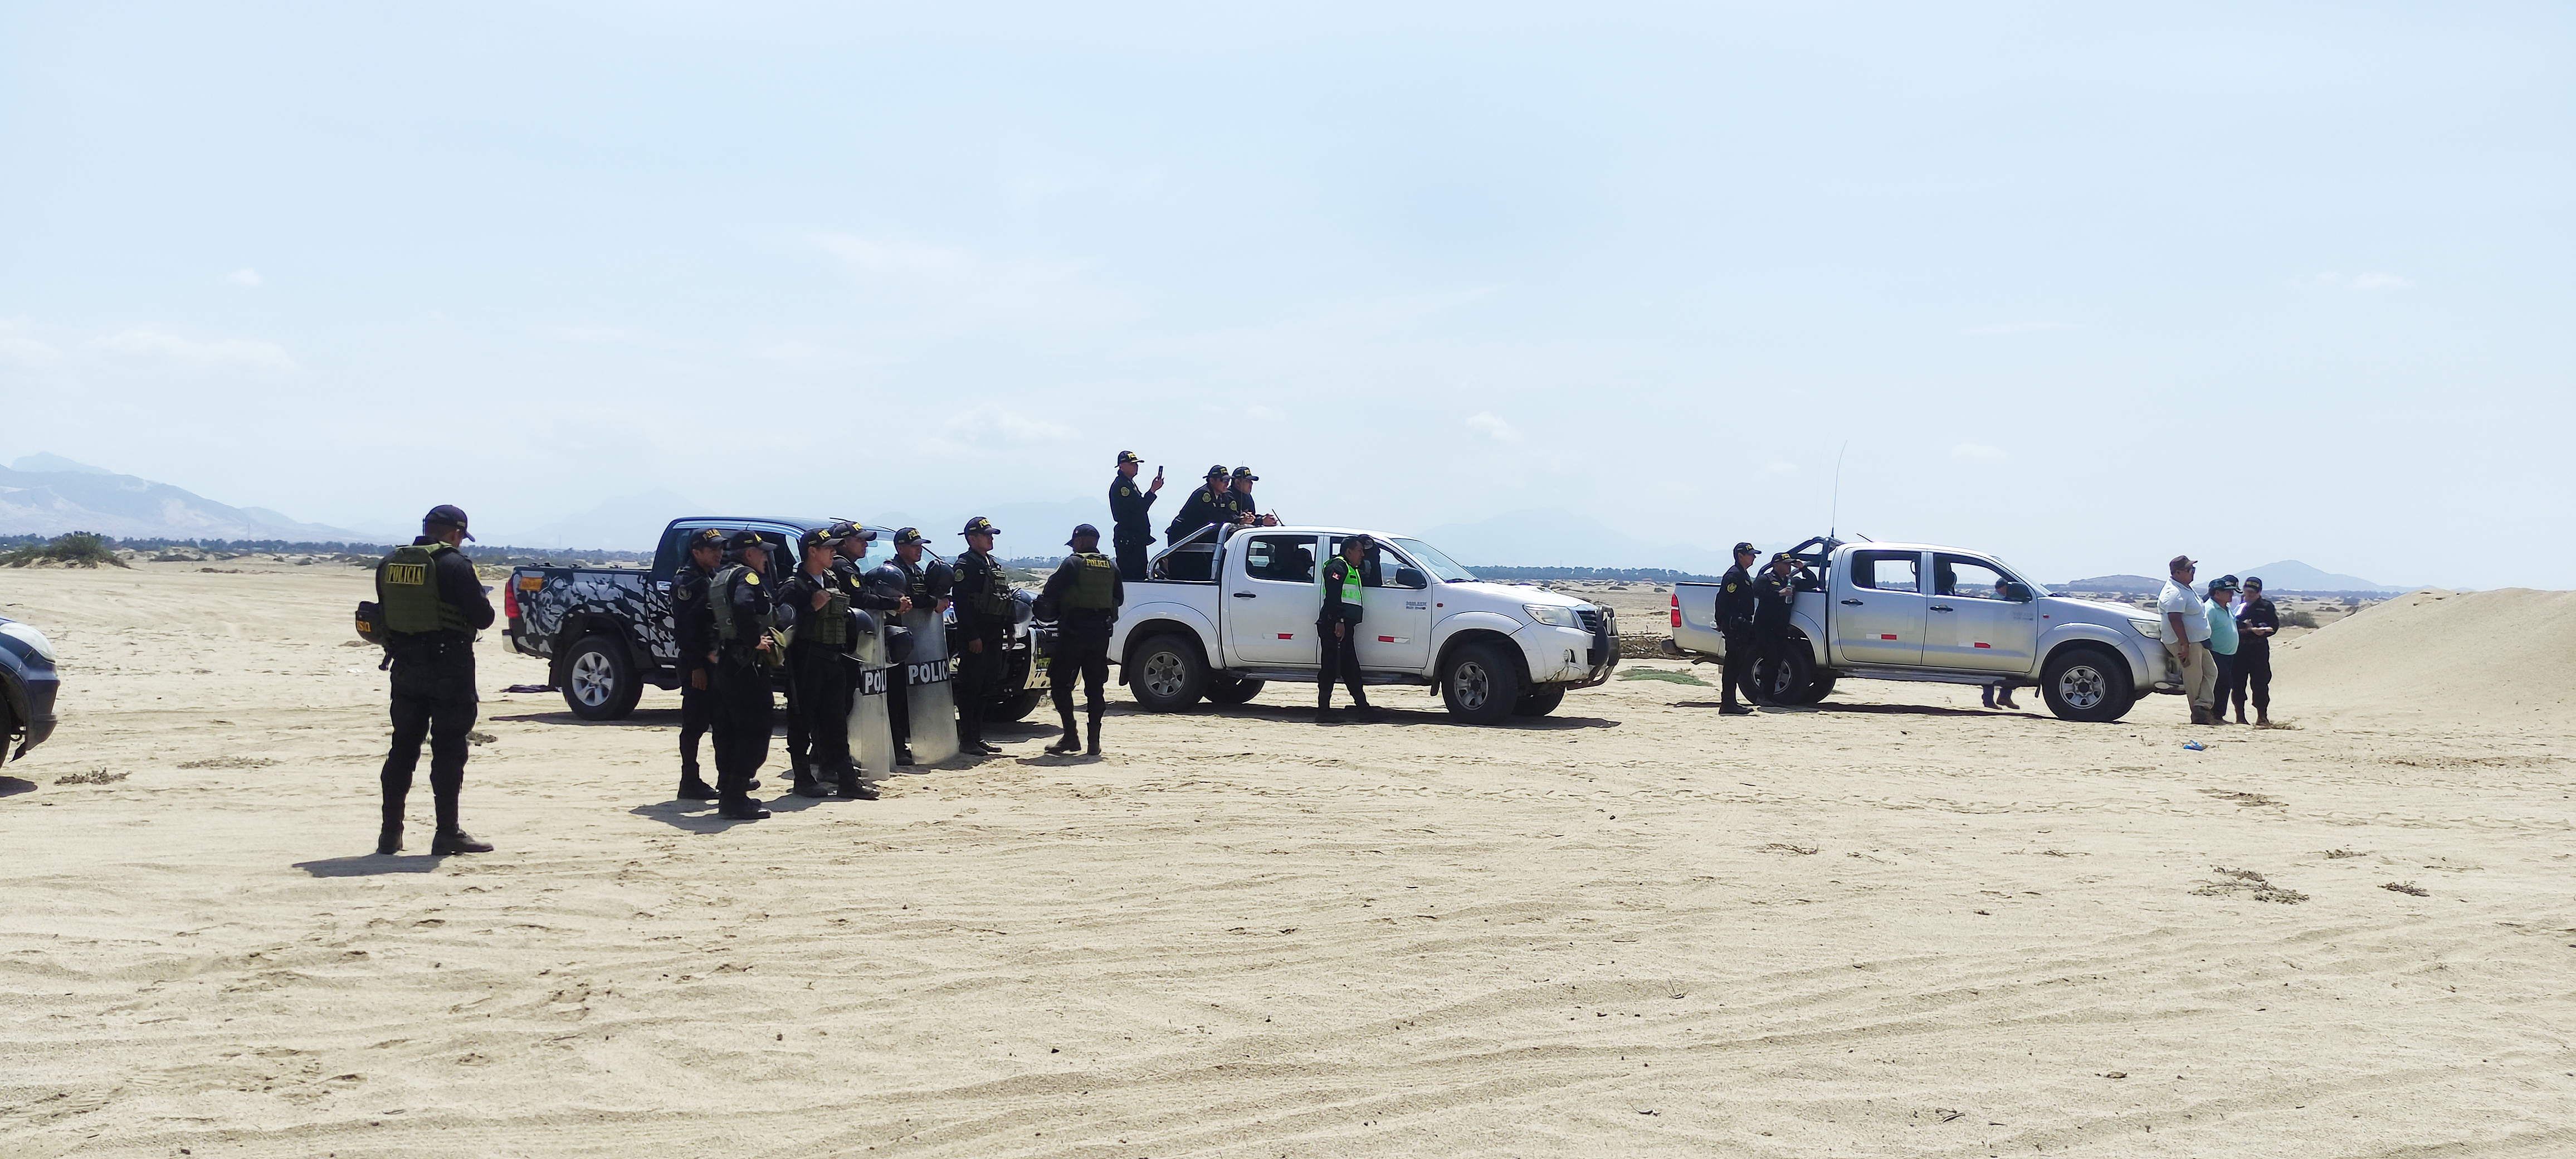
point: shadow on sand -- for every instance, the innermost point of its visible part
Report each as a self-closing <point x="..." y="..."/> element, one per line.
<point x="1862" y="709"/>
<point x="371" y="865"/>
<point x="12" y="786"/>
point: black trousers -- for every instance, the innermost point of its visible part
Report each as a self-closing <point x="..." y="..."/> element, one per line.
<point x="2251" y="673"/>
<point x="696" y="711"/>
<point x="1771" y="647"/>
<point x="979" y="681"/>
<point x="1341" y="659"/>
<point x="433" y="700"/>
<point x="898" y="696"/>
<point x="1737" y="673"/>
<point x="1086" y="656"/>
<point x="741" y="718"/>
<point x="821" y="696"/>
<point x="1131" y="556"/>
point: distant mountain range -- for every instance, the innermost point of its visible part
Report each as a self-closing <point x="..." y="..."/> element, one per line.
<point x="2288" y="575"/>
<point x="46" y="494"/>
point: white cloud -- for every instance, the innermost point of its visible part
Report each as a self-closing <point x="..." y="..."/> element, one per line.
<point x="223" y="352"/>
<point x="17" y="346"/>
<point x="2359" y="283"/>
<point x="2025" y="326"/>
<point x="940" y="291"/>
<point x="1978" y="451"/>
<point x="244" y="276"/>
<point x="985" y="422"/>
<point x="1483" y="422"/>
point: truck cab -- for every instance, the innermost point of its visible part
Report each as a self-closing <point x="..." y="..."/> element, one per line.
<point x="1225" y="611"/>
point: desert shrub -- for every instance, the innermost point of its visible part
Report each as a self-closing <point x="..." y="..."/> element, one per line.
<point x="2298" y="619"/>
<point x="78" y="549"/>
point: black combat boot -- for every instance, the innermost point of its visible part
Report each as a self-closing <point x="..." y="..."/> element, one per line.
<point x="740" y="809"/>
<point x="389" y="838"/>
<point x="1070" y="743"/>
<point x="903" y="756"/>
<point x="1091" y="732"/>
<point x="693" y="788"/>
<point x="851" y="787"/>
<point x="457" y="841"/>
<point x="806" y="784"/>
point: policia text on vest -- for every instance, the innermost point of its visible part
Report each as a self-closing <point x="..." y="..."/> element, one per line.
<point x="1082" y="597"/>
<point x="429" y="605"/>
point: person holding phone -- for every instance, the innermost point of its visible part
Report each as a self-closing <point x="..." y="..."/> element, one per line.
<point x="1131" y="514"/>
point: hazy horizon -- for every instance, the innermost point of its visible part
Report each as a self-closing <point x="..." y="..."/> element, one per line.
<point x="2082" y="287"/>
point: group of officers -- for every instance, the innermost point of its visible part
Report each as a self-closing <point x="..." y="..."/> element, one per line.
<point x="1753" y="610"/>
<point x="1225" y="498"/>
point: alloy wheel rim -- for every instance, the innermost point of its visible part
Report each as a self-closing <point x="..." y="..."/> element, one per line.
<point x="2080" y="686"/>
<point x="592" y="679"/>
<point x="1474" y="685"/>
<point x="1163" y="674"/>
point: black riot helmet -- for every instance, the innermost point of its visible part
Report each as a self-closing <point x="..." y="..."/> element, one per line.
<point x="888" y="580"/>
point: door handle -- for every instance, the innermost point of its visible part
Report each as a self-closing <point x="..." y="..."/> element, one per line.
<point x="1246" y="596"/>
<point x="1943" y="608"/>
<point x="1853" y="603"/>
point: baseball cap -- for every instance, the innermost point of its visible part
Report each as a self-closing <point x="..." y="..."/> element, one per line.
<point x="743" y="539"/>
<point x="449" y="514"/>
<point x="1741" y="548"/>
<point x="819" y="537"/>
<point x="2253" y="581"/>
<point x="980" y="526"/>
<point x="1246" y="473"/>
<point x="1217" y="472"/>
<point x="2180" y="562"/>
<point x="2225" y="583"/>
<point x="706" y="537"/>
<point x="1126" y="457"/>
<point x="1783" y="557"/>
<point x="850" y="529"/>
<point x="907" y="535"/>
<point x="1083" y="529"/>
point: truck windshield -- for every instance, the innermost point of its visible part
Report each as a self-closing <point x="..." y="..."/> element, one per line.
<point x="1441" y="567"/>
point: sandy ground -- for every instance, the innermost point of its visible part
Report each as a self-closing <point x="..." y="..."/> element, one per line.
<point x="1891" y="925"/>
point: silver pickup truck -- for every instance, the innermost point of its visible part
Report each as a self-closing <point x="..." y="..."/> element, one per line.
<point x="1912" y="611"/>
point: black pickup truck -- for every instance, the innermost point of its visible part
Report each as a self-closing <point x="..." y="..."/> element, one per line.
<point x="606" y="632"/>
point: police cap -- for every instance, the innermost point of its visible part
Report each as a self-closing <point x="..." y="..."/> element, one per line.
<point x="1126" y="457"/>
<point x="980" y="526"/>
<point x="2254" y="582"/>
<point x="1082" y="529"/>
<point x="819" y="537"/>
<point x="907" y="536"/>
<point x="1246" y="473"/>
<point x="1742" y="548"/>
<point x="1784" y="557"/>
<point x="849" y="529"/>
<point x="706" y="537"/>
<point x="446" y="514"/>
<point x="745" y="539"/>
<point x="1217" y="472"/>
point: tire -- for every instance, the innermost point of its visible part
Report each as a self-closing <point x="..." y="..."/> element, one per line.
<point x="1171" y="675"/>
<point x="1232" y="690"/>
<point x="1795" y="683"/>
<point x="1539" y="701"/>
<point x="1818" y="688"/>
<point x="1015" y="706"/>
<point x="2086" y="684"/>
<point x="599" y="679"/>
<point x="1480" y="683"/>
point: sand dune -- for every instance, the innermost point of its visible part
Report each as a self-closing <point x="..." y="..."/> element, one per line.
<point x="2503" y="657"/>
<point x="1894" y="925"/>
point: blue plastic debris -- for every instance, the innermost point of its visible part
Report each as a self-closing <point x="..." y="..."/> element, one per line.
<point x="2194" y="746"/>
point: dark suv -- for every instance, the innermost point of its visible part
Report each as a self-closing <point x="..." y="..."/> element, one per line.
<point x="27" y="684"/>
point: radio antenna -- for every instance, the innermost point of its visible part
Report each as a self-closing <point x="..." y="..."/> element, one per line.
<point x="1833" y="520"/>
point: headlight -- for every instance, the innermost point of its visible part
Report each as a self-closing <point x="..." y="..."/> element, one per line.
<point x="1552" y="615"/>
<point x="34" y="639"/>
<point x="2147" y="628"/>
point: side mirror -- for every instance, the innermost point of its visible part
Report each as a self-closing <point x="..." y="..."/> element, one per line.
<point x="1406" y="577"/>
<point x="2018" y="593"/>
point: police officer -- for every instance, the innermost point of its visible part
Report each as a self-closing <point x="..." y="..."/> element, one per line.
<point x="875" y="604"/>
<point x="739" y="603"/>
<point x="695" y="633"/>
<point x="925" y="586"/>
<point x="1131" y="514"/>
<point x="432" y="604"/>
<point x="1082" y="597"/>
<point x="1736" y="605"/>
<point x="825" y="625"/>
<point x="1213" y="503"/>
<point x="1775" y="595"/>
<point x="984" y="613"/>
<point x="1337" y="628"/>
<point x="1239" y="502"/>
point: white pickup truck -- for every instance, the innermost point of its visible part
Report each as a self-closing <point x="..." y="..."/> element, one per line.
<point x="1910" y="611"/>
<point x="1231" y="608"/>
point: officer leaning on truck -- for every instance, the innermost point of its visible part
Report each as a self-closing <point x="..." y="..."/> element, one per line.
<point x="739" y="604"/>
<point x="984" y="610"/>
<point x="1337" y="628"/>
<point x="825" y="625"/>
<point x="1212" y="503"/>
<point x="1777" y="595"/>
<point x="1736" y="605"/>
<point x="694" y="633"/>
<point x="432" y="603"/>
<point x="1131" y="527"/>
<point x="1240" y="505"/>
<point x="1082" y="597"/>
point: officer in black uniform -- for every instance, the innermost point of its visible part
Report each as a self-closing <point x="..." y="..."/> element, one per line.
<point x="1337" y="628"/>
<point x="1239" y="501"/>
<point x="816" y="666"/>
<point x="1131" y="514"/>
<point x="432" y="604"/>
<point x="984" y="613"/>
<point x="1736" y="605"/>
<point x="874" y="603"/>
<point x="1213" y="503"/>
<point x="739" y="603"/>
<point x="1775" y="595"/>
<point x="1082" y="597"/>
<point x="925" y="586"/>
<point x="697" y="643"/>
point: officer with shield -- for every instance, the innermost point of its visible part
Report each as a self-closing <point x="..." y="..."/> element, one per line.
<point x="1082" y="597"/>
<point x="695" y="634"/>
<point x="985" y="610"/>
<point x="818" y="671"/>
<point x="739" y="603"/>
<point x="432" y="603"/>
<point x="1131" y="513"/>
<point x="921" y="699"/>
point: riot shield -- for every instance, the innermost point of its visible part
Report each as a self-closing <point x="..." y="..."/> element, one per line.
<point x="933" y="693"/>
<point x="871" y="729"/>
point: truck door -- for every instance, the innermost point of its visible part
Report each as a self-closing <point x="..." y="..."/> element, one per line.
<point x="1879" y="607"/>
<point x="1395" y="611"/>
<point x="1268" y="617"/>
<point x="1972" y="624"/>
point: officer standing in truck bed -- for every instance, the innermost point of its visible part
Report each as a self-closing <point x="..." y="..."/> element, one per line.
<point x="1131" y="514"/>
<point x="1212" y="503"/>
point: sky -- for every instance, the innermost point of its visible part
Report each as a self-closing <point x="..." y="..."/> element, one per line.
<point x="2082" y="285"/>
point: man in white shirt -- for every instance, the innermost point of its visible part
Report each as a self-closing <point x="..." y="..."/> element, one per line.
<point x="2187" y="638"/>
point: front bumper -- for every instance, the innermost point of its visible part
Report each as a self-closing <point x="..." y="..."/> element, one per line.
<point x="1572" y="657"/>
<point x="38" y="711"/>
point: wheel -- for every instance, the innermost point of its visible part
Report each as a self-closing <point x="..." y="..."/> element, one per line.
<point x="1818" y="688"/>
<point x="1481" y="684"/>
<point x="1232" y="690"/>
<point x="2087" y="684"/>
<point x="1794" y="680"/>
<point x="1016" y="705"/>
<point x="1539" y="701"/>
<point x="1170" y="673"/>
<point x="599" y="679"/>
